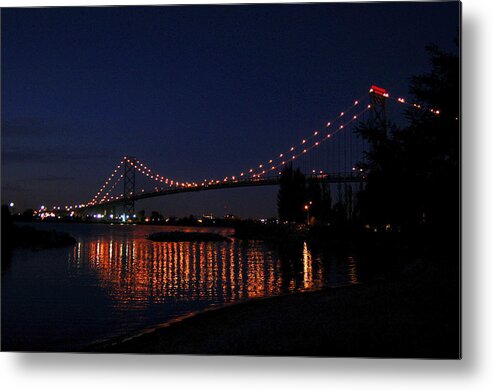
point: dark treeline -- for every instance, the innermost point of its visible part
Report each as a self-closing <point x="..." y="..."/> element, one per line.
<point x="28" y="237"/>
<point x="305" y="200"/>
<point x="413" y="170"/>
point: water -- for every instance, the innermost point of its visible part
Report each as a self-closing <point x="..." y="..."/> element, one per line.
<point x="114" y="282"/>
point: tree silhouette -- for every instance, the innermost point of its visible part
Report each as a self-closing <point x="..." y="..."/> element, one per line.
<point x="413" y="177"/>
<point x="326" y="196"/>
<point x="434" y="142"/>
<point x="141" y="214"/>
<point x="314" y="199"/>
<point x="291" y="195"/>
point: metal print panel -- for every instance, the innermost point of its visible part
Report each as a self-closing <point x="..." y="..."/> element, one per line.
<point x="275" y="179"/>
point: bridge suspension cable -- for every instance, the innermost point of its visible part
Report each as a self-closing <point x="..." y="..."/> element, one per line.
<point x="313" y="145"/>
<point x="416" y="105"/>
<point x="105" y="184"/>
<point x="301" y="144"/>
<point x="281" y="158"/>
<point x="313" y="140"/>
<point x="273" y="164"/>
<point x="105" y="197"/>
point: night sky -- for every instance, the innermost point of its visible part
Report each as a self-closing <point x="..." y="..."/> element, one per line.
<point x="194" y="92"/>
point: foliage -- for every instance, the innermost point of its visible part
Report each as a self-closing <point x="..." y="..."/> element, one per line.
<point x="314" y="199"/>
<point x="413" y="178"/>
<point x="413" y="170"/>
<point x="292" y="195"/>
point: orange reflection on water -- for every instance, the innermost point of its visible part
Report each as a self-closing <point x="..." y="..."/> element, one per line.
<point x="352" y="272"/>
<point x="307" y="268"/>
<point x="137" y="273"/>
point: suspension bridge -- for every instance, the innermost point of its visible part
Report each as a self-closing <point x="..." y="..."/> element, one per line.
<point x="332" y="154"/>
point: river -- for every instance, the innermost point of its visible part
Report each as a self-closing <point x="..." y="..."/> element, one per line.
<point x="114" y="282"/>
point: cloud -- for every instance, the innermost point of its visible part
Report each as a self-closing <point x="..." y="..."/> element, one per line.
<point x="52" y="178"/>
<point x="9" y="187"/>
<point x="31" y="126"/>
<point x="39" y="140"/>
<point x="47" y="155"/>
<point x="20" y="184"/>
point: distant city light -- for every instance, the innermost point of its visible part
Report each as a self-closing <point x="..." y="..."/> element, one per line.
<point x="11" y="204"/>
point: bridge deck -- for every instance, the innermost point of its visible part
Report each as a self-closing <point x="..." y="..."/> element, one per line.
<point x="249" y="182"/>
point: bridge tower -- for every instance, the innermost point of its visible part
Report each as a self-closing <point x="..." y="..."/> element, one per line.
<point x="128" y="187"/>
<point x="378" y="114"/>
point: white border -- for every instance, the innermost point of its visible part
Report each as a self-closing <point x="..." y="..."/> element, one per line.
<point x="474" y="372"/>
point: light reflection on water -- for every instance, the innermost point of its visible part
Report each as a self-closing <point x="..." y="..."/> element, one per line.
<point x="145" y="283"/>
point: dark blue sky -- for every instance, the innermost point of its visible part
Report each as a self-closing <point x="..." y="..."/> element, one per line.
<point x="194" y="92"/>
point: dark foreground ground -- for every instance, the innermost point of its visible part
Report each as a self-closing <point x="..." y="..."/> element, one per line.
<point x="415" y="316"/>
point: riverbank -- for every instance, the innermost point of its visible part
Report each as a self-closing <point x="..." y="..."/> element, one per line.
<point x="28" y="237"/>
<point x="15" y="236"/>
<point x="416" y="316"/>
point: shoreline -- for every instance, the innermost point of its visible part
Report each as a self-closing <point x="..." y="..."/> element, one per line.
<point x="382" y="318"/>
<point x="104" y="344"/>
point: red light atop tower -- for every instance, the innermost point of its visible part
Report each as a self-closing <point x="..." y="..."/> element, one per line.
<point x="379" y="91"/>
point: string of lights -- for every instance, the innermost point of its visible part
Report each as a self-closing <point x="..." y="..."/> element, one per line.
<point x="316" y="138"/>
<point x="303" y="142"/>
<point x="416" y="105"/>
<point x="146" y="171"/>
<point x="105" y="197"/>
<point x="94" y="199"/>
<point x="275" y="163"/>
<point x="105" y="184"/>
<point x="314" y="145"/>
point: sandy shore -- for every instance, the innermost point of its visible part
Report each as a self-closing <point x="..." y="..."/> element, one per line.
<point x="416" y="315"/>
